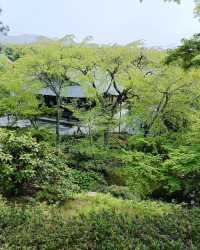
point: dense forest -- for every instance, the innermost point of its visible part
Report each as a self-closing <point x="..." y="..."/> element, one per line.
<point x="127" y="176"/>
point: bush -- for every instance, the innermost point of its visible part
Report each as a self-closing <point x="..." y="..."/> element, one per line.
<point x="113" y="230"/>
<point x="181" y="173"/>
<point x="155" y="145"/>
<point x="138" y="171"/>
<point x="121" y="192"/>
<point x="89" y="157"/>
<point x="32" y="168"/>
<point x="88" y="181"/>
<point x="117" y="225"/>
<point x="41" y="134"/>
<point x="60" y="190"/>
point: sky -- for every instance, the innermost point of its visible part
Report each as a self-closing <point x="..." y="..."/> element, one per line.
<point x="108" y="21"/>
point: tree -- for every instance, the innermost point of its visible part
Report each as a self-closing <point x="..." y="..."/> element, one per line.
<point x="68" y="40"/>
<point x="100" y="69"/>
<point x="51" y="66"/>
<point x="166" y="100"/>
<point x="196" y="9"/>
<point x="15" y="52"/>
<point x="187" y="54"/>
<point x="18" y="95"/>
<point x="3" y="28"/>
<point x="127" y="68"/>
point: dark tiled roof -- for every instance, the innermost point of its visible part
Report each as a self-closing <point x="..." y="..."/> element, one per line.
<point x="75" y="92"/>
<point x="71" y="91"/>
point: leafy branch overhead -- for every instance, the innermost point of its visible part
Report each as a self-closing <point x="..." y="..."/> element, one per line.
<point x="196" y="9"/>
<point x="3" y="28"/>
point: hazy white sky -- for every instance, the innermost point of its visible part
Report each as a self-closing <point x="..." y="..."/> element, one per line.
<point x="108" y="21"/>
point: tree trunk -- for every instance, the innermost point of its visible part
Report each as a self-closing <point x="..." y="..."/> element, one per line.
<point x="58" y="115"/>
<point x="90" y="135"/>
<point x="106" y="136"/>
<point x="120" y="116"/>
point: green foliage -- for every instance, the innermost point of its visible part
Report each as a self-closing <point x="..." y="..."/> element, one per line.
<point x="128" y="89"/>
<point x="40" y="134"/>
<point x="119" y="231"/>
<point x="16" y="52"/>
<point x="165" y="100"/>
<point x="88" y="181"/>
<point x="3" y="28"/>
<point x="186" y="54"/>
<point x="60" y="190"/>
<point x="87" y="157"/>
<point x="139" y="171"/>
<point x="143" y="144"/>
<point x="181" y="173"/>
<point x="117" y="225"/>
<point x="28" y="166"/>
<point x="196" y="9"/>
<point x="121" y="192"/>
<point x="18" y="95"/>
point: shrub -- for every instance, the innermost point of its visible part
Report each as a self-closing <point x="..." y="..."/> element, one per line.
<point x="29" y="167"/>
<point x="41" y="134"/>
<point x="59" y="190"/>
<point x="117" y="225"/>
<point x="89" y="157"/>
<point x="113" y="230"/>
<point x="181" y="173"/>
<point x="88" y="181"/>
<point x="121" y="192"/>
<point x="138" y="171"/>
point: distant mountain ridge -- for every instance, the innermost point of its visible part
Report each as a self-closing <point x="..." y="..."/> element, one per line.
<point x="67" y="40"/>
<point x="29" y="39"/>
<point x="20" y="39"/>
